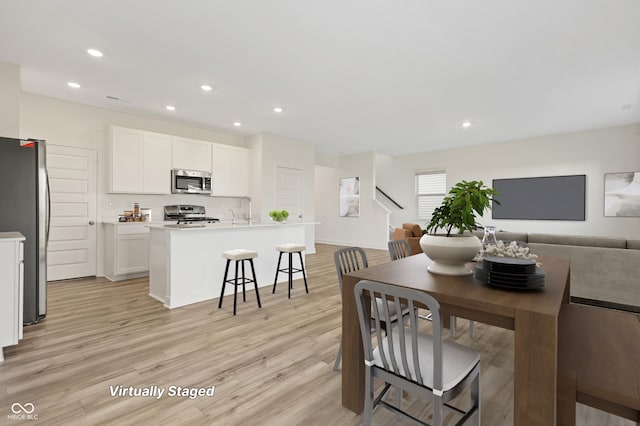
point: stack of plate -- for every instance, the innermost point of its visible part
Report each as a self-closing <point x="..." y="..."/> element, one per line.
<point x="509" y="272"/>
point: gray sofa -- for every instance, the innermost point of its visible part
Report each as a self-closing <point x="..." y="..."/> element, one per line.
<point x="605" y="271"/>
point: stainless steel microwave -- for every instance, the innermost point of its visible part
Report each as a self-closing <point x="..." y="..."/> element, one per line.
<point x="190" y="182"/>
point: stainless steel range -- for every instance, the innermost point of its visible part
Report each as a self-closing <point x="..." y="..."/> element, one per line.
<point x="188" y="215"/>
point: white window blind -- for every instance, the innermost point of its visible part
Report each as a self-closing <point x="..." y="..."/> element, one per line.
<point x="431" y="187"/>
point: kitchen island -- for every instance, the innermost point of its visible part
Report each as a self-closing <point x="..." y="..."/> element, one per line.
<point x="186" y="264"/>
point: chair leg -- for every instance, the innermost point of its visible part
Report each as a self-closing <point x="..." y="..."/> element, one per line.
<point x="255" y="282"/>
<point x="244" y="287"/>
<point x="275" y="280"/>
<point x="336" y="365"/>
<point x="452" y="326"/>
<point x="304" y="274"/>
<point x="235" y="290"/>
<point x="472" y="328"/>
<point x="368" y="397"/>
<point x="475" y="399"/>
<point x="224" y="282"/>
<point x="290" y="275"/>
<point x="437" y="410"/>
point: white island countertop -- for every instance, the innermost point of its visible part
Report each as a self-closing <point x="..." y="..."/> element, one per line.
<point x="186" y="263"/>
<point x="169" y="226"/>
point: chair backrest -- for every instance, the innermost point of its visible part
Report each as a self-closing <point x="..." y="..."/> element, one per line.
<point x="349" y="259"/>
<point x="395" y="357"/>
<point x="399" y="249"/>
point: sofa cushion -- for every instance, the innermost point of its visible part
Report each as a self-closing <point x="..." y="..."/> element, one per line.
<point x="579" y="240"/>
<point x="603" y="274"/>
<point x="512" y="236"/>
<point x="505" y="235"/>
<point x="633" y="244"/>
<point x="401" y="234"/>
<point x="414" y="228"/>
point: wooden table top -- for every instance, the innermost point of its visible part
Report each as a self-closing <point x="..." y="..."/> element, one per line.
<point x="467" y="294"/>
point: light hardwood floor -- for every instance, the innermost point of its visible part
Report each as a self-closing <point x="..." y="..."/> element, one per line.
<point x="269" y="366"/>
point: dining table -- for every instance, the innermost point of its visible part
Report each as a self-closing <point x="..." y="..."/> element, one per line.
<point x="531" y="314"/>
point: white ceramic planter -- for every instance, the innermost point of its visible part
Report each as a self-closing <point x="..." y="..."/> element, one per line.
<point x="450" y="254"/>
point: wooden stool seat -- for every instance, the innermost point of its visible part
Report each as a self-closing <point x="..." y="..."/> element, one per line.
<point x="239" y="256"/>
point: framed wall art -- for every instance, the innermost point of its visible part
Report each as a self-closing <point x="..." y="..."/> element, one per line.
<point x="350" y="197"/>
<point x="622" y="194"/>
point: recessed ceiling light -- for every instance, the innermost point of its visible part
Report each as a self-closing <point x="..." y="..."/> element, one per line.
<point x="95" y="53"/>
<point x="170" y="107"/>
<point x="73" y="84"/>
<point x="206" y="87"/>
<point x="277" y="109"/>
<point x="466" y="124"/>
<point x="237" y="124"/>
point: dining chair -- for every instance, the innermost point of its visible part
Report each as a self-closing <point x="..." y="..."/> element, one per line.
<point x="399" y="249"/>
<point x="351" y="259"/>
<point x="411" y="360"/>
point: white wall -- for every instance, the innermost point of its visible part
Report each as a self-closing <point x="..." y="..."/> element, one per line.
<point x="592" y="153"/>
<point x="71" y="124"/>
<point x="368" y="230"/>
<point x="10" y="101"/>
<point x="272" y="151"/>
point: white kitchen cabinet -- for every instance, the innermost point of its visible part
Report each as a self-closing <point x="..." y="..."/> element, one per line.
<point x="126" y="251"/>
<point x="139" y="162"/>
<point x="191" y="154"/>
<point x="11" y="289"/>
<point x="232" y="167"/>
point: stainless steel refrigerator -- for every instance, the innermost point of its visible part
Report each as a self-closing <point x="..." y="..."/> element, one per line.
<point x="24" y="207"/>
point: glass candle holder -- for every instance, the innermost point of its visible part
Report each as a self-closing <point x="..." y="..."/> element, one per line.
<point x="489" y="237"/>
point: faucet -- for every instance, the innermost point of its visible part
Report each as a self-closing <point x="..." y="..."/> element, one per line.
<point x="249" y="215"/>
<point x="233" y="221"/>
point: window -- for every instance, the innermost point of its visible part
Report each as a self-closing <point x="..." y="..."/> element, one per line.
<point x="431" y="187"/>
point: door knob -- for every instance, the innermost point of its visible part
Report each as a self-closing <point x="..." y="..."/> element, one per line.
<point x="91" y="222"/>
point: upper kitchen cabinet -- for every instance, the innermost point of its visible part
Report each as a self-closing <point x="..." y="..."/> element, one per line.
<point x="191" y="154"/>
<point x="231" y="174"/>
<point x="139" y="161"/>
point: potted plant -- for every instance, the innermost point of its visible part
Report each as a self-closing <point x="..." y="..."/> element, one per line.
<point x="452" y="250"/>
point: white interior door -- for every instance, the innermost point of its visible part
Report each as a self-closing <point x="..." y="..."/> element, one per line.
<point x="289" y="191"/>
<point x="71" y="252"/>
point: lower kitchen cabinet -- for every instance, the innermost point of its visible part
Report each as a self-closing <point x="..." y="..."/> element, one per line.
<point x="11" y="288"/>
<point x="126" y="251"/>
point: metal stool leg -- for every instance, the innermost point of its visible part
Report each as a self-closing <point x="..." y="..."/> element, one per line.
<point x="224" y="282"/>
<point x="290" y="275"/>
<point x="304" y="274"/>
<point x="255" y="282"/>
<point x="244" y="295"/>
<point x="235" y="290"/>
<point x="275" y="280"/>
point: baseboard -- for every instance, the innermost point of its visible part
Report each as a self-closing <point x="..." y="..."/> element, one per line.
<point x="352" y="244"/>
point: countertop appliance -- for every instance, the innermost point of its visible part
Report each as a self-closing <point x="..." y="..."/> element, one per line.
<point x="24" y="207"/>
<point x="188" y="214"/>
<point x="190" y="182"/>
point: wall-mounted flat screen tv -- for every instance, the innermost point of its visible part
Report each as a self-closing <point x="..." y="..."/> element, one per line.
<point x="540" y="198"/>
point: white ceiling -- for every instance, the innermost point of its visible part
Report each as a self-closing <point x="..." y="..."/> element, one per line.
<point x="394" y="76"/>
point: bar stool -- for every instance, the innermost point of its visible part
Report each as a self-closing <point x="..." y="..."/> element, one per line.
<point x="239" y="255"/>
<point x="290" y="248"/>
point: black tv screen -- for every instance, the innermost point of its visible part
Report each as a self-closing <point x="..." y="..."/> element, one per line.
<point x="540" y="198"/>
